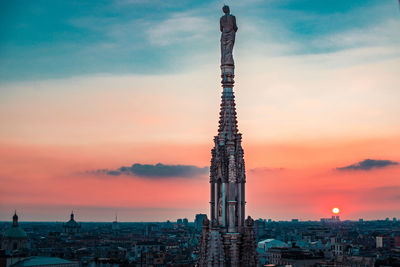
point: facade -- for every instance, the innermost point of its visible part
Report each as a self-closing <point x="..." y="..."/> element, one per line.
<point x="266" y="244"/>
<point x="15" y="237"/>
<point x="228" y="239"/>
<point x="292" y="257"/>
<point x="385" y="241"/>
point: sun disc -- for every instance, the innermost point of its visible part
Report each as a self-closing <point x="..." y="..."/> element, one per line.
<point x="335" y="210"/>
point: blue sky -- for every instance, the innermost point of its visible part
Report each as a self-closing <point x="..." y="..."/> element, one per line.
<point x="57" y="39"/>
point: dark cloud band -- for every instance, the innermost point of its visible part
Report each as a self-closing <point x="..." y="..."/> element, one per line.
<point x="157" y="171"/>
<point x="368" y="164"/>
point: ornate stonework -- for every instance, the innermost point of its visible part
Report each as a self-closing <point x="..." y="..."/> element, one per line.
<point x="227" y="239"/>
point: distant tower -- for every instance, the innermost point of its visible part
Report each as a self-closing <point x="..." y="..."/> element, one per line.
<point x="115" y="224"/>
<point x="229" y="240"/>
<point x="71" y="227"/>
<point x="198" y="221"/>
<point x="15" y="237"/>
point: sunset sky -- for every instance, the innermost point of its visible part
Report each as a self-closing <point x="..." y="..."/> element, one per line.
<point x="89" y="87"/>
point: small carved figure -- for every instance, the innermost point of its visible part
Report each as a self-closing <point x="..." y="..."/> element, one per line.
<point x="228" y="31"/>
<point x="220" y="206"/>
<point x="249" y="222"/>
<point x="206" y="222"/>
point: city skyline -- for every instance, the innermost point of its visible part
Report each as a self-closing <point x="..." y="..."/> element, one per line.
<point x="113" y="107"/>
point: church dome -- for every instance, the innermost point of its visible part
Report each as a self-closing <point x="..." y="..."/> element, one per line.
<point x="71" y="227"/>
<point x="72" y="223"/>
<point x="15" y="231"/>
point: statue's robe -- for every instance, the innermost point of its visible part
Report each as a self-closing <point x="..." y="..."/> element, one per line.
<point x="228" y="31"/>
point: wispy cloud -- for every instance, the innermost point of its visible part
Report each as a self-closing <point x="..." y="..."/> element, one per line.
<point x="266" y="169"/>
<point x="377" y="35"/>
<point x="177" y="29"/>
<point x="368" y="164"/>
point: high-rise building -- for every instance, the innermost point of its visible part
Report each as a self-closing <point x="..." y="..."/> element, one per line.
<point x="198" y="221"/>
<point x="228" y="239"/>
<point x="259" y="228"/>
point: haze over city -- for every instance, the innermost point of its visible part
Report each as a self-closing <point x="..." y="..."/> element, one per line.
<point x="111" y="108"/>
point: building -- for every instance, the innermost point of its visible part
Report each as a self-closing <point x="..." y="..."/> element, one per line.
<point x="15" y="237"/>
<point x="227" y="238"/>
<point x="397" y="241"/>
<point x="333" y="219"/>
<point x="150" y="253"/>
<point x="293" y="257"/>
<point x="71" y="227"/>
<point x="198" y="221"/>
<point x="266" y="244"/>
<point x="115" y="224"/>
<point x="385" y="242"/>
<point x="45" y="262"/>
<point x="260" y="228"/>
<point x="356" y="261"/>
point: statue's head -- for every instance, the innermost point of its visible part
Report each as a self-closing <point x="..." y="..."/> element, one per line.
<point x="226" y="10"/>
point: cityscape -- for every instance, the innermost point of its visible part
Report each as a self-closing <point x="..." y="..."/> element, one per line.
<point x="328" y="242"/>
<point x="309" y="180"/>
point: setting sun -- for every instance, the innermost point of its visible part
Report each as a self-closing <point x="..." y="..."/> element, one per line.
<point x="335" y="210"/>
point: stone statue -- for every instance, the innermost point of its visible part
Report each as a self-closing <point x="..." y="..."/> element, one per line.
<point x="228" y="31"/>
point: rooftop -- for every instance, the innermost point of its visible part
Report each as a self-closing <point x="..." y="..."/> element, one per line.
<point x="35" y="261"/>
<point x="15" y="232"/>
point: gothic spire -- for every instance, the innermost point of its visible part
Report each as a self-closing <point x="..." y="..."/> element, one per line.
<point x="228" y="241"/>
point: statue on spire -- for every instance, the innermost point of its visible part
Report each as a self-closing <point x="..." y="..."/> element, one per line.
<point x="228" y="31"/>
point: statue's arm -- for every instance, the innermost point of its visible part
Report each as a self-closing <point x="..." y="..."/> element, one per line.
<point x="220" y="25"/>
<point x="235" y="28"/>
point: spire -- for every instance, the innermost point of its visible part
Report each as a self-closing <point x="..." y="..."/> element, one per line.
<point x="15" y="219"/>
<point x="227" y="241"/>
<point x="227" y="129"/>
<point x="72" y="215"/>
